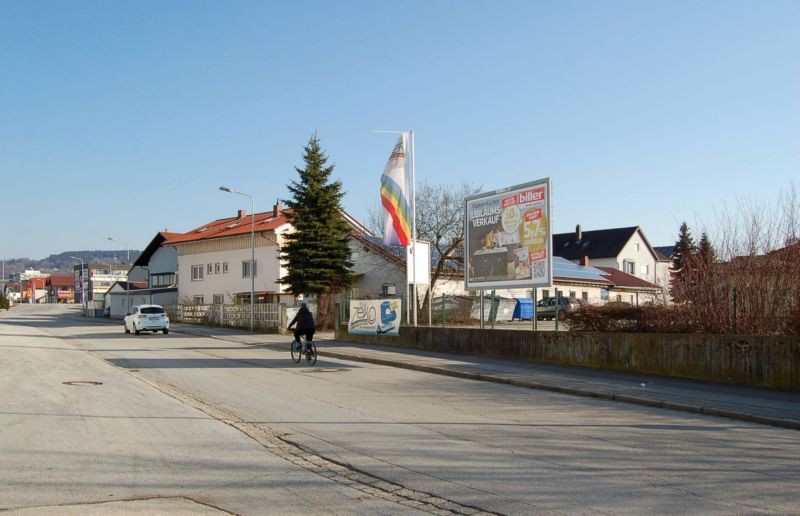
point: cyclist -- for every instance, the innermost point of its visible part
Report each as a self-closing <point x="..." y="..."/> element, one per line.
<point x="305" y="325"/>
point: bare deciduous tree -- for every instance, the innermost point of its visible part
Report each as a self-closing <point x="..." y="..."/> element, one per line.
<point x="440" y="221"/>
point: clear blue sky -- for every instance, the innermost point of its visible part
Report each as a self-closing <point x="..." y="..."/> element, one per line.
<point x="123" y="118"/>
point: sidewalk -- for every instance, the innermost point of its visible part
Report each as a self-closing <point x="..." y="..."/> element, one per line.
<point x="770" y="407"/>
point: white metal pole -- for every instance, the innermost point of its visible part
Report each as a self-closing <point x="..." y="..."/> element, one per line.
<point x="413" y="223"/>
<point x="252" y="250"/>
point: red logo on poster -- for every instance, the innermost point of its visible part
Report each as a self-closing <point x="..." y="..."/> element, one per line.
<point x="509" y="201"/>
<point x="537" y="255"/>
<point x="535" y="195"/>
<point x="533" y="214"/>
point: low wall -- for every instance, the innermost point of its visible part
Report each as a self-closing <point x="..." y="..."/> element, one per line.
<point x="772" y="362"/>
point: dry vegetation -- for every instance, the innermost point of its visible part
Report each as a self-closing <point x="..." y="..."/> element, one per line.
<point x="751" y="287"/>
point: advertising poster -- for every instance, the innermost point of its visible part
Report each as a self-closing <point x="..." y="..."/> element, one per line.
<point x="508" y="238"/>
<point x="375" y="316"/>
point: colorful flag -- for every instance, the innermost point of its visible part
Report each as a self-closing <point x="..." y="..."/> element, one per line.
<point x="397" y="223"/>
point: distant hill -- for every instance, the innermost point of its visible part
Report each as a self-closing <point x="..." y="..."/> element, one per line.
<point x="59" y="263"/>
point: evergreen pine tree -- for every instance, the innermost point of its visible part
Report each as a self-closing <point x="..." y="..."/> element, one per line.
<point x="685" y="248"/>
<point x="706" y="250"/>
<point x="316" y="254"/>
<point x="683" y="265"/>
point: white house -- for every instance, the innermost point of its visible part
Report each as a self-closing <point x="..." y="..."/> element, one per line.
<point x="153" y="278"/>
<point x="214" y="260"/>
<point x="625" y="249"/>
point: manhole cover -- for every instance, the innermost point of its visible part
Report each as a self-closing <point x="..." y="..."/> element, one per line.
<point x="82" y="383"/>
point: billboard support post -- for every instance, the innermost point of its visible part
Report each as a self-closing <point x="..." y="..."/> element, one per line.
<point x="481" y="309"/>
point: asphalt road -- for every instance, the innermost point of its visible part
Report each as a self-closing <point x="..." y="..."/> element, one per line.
<point x="192" y="425"/>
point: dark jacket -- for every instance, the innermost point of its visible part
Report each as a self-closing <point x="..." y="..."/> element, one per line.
<point x="304" y="320"/>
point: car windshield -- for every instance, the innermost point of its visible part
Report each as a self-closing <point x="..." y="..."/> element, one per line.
<point x="152" y="310"/>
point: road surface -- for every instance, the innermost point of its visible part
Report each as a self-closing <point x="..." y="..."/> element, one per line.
<point x="96" y="421"/>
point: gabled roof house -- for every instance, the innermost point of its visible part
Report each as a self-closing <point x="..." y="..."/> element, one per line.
<point x="214" y="259"/>
<point x="152" y="278"/>
<point x="625" y="249"/>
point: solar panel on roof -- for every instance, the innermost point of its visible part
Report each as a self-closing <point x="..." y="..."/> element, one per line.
<point x="566" y="269"/>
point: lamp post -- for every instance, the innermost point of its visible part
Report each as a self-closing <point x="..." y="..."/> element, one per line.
<point x="252" y="250"/>
<point x="83" y="289"/>
<point x="127" y="278"/>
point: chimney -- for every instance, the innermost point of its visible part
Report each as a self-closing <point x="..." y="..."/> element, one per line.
<point x="584" y="260"/>
<point x="241" y="213"/>
<point x="276" y="210"/>
<point x="578" y="233"/>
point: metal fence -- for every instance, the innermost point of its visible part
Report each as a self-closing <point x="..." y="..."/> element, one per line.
<point x="267" y="317"/>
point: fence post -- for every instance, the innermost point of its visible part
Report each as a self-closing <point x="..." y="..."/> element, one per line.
<point x="735" y="310"/>
<point x="444" y="312"/>
<point x="493" y="309"/>
<point x="558" y="305"/>
<point x="481" y="317"/>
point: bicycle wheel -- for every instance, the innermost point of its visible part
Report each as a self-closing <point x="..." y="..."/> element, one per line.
<point x="311" y="353"/>
<point x="296" y="351"/>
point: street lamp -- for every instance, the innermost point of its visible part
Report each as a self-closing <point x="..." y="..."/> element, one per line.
<point x="252" y="249"/>
<point x="127" y="278"/>
<point x="83" y="289"/>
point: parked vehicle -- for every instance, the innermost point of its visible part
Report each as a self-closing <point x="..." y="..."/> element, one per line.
<point x="146" y="318"/>
<point x="546" y="308"/>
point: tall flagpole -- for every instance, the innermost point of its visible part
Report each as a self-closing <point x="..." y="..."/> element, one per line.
<point x="413" y="223"/>
<point x="408" y="147"/>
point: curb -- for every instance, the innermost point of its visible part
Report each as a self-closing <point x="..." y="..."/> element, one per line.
<point x="621" y="398"/>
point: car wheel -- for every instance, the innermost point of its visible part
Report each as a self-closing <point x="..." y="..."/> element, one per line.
<point x="165" y="331"/>
<point x="135" y="329"/>
<point x="125" y="327"/>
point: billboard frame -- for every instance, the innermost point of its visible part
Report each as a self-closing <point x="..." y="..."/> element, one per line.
<point x="496" y="208"/>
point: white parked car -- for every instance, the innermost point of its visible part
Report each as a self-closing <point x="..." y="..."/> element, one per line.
<point x="146" y="318"/>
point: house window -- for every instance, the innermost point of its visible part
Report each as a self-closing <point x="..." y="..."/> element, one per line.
<point x="198" y="300"/>
<point x="162" y="280"/>
<point x="197" y="273"/>
<point x="216" y="268"/>
<point x="389" y="289"/>
<point x="585" y="296"/>
<point x="629" y="266"/>
<point x="224" y="267"/>
<point x="249" y="269"/>
<point x="211" y="268"/>
<point x="636" y="246"/>
<point x="619" y="297"/>
<point x="219" y="299"/>
<point x="572" y="294"/>
<point x="545" y="293"/>
<point x="645" y="269"/>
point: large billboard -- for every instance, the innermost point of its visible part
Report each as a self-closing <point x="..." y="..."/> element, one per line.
<point x="508" y="239"/>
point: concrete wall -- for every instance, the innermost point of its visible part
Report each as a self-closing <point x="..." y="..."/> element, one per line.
<point x="772" y="362"/>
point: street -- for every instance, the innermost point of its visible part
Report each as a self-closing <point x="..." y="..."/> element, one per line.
<point x="93" y="421"/>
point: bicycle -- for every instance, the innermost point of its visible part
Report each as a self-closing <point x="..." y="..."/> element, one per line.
<point x="310" y="350"/>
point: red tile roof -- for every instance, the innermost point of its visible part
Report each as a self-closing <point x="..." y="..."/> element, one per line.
<point x="61" y="281"/>
<point x="232" y="226"/>
<point x="623" y="279"/>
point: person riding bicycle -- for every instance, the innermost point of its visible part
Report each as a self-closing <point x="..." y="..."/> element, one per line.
<point x="305" y="324"/>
